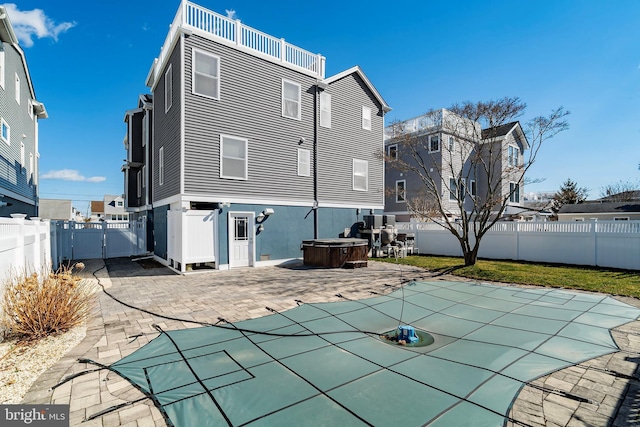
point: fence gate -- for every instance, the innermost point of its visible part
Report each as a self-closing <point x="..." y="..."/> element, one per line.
<point x="89" y="240"/>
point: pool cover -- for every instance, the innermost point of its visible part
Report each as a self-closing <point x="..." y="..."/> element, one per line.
<point x="325" y="364"/>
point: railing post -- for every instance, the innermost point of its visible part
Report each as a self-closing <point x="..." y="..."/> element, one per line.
<point x="238" y="32"/>
<point x="283" y="50"/>
<point x="185" y="16"/>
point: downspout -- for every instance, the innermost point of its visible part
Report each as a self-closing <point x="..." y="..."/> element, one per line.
<point x="316" y="118"/>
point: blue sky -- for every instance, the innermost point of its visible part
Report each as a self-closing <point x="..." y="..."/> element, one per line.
<point x="89" y="60"/>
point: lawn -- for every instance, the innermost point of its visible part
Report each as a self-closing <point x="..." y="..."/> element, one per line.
<point x="615" y="282"/>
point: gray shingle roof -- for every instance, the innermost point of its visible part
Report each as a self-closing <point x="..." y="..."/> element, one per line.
<point x="605" y="207"/>
<point x="497" y="131"/>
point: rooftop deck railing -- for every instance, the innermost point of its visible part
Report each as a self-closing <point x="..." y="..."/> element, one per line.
<point x="193" y="17"/>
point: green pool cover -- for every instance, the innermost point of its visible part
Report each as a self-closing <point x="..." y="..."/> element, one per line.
<point x="325" y="364"/>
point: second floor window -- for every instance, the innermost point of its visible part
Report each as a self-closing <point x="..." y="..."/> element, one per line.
<point x="206" y="74"/>
<point x="514" y="192"/>
<point x="366" y="118"/>
<point x="360" y="175"/>
<point x="452" y="144"/>
<point x="392" y="151"/>
<point x="233" y="157"/>
<point x="290" y="100"/>
<point x="325" y="110"/>
<point x="473" y="189"/>
<point x="304" y="162"/>
<point x="434" y="143"/>
<point x="513" y="155"/>
<point x="5" y="133"/>
<point x="168" y="89"/>
<point x="401" y="191"/>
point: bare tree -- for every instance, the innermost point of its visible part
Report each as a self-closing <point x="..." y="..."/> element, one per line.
<point x="621" y="191"/>
<point x="470" y="163"/>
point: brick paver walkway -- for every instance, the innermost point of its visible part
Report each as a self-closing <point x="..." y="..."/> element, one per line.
<point x="114" y="332"/>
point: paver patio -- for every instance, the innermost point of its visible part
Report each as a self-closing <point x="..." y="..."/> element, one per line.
<point x="116" y="331"/>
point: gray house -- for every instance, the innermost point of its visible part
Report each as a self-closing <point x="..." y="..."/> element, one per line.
<point x="448" y="146"/>
<point x="600" y="211"/>
<point x="19" y="114"/>
<point x="244" y="148"/>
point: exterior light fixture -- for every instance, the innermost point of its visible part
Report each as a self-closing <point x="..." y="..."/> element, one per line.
<point x="260" y="217"/>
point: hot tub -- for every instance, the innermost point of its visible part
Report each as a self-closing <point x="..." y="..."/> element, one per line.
<point x="335" y="253"/>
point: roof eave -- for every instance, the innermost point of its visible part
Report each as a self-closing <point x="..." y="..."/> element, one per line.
<point x="356" y="69"/>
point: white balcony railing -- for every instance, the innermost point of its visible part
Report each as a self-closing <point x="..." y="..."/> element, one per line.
<point x="192" y="17"/>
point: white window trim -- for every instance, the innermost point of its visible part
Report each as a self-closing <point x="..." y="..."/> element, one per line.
<point x="2" y="68"/>
<point x="473" y="188"/>
<point x="325" y="110"/>
<point x="439" y="143"/>
<point x="161" y="166"/>
<point x="452" y="144"/>
<point x="3" y="123"/>
<point x="23" y="167"/>
<point x="453" y="189"/>
<point x="366" y="174"/>
<point x="193" y="73"/>
<point x="404" y="191"/>
<point x="515" y="158"/>
<point x="512" y="193"/>
<point x="304" y="159"/>
<point x="246" y="158"/>
<point x="168" y="89"/>
<point x="366" y="118"/>
<point x="389" y="147"/>
<point x="17" y="88"/>
<point x="299" y="101"/>
<point x="30" y="108"/>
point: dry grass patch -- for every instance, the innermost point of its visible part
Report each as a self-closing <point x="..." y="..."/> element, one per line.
<point x="45" y="303"/>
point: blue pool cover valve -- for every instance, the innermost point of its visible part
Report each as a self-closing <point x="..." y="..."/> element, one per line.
<point x="407" y="333"/>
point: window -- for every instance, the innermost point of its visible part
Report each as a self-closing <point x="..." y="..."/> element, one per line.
<point x="472" y="188"/>
<point x="360" y="175"/>
<point x="17" y="88"/>
<point x="453" y="189"/>
<point x="144" y="176"/>
<point x="233" y="157"/>
<point x="5" y="132"/>
<point x="2" y="67"/>
<point x="514" y="192"/>
<point x="168" y="89"/>
<point x="119" y="203"/>
<point x="434" y="143"/>
<point x="304" y="162"/>
<point x="392" y="151"/>
<point x="452" y="144"/>
<point x="621" y="218"/>
<point x="366" y="118"/>
<point x="139" y="183"/>
<point x="23" y="167"/>
<point x="401" y="191"/>
<point x="30" y="108"/>
<point x="161" y="166"/>
<point x="513" y="155"/>
<point x="206" y="74"/>
<point x="325" y="110"/>
<point x="290" y="100"/>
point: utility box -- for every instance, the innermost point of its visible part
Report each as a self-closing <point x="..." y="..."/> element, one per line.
<point x="372" y="221"/>
<point x="389" y="220"/>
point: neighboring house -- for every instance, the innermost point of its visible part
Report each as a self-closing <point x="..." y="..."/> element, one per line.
<point x="59" y="209"/>
<point x="600" y="211"/>
<point x="244" y="148"/>
<point x="19" y="114"/>
<point x="97" y="210"/>
<point x="447" y="141"/>
<point x="114" y="209"/>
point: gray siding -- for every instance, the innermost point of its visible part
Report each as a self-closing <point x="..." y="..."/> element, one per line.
<point x="249" y="107"/>
<point x="166" y="128"/>
<point x="346" y="140"/>
<point x="14" y="176"/>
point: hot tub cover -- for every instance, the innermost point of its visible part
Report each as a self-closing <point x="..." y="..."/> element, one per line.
<point x="324" y="364"/>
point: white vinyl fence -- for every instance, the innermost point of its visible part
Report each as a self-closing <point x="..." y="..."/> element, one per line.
<point x="25" y="246"/>
<point x="614" y="244"/>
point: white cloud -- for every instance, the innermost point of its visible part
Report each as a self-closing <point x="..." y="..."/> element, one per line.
<point x="29" y="23"/>
<point x="231" y="14"/>
<point x="71" y="175"/>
